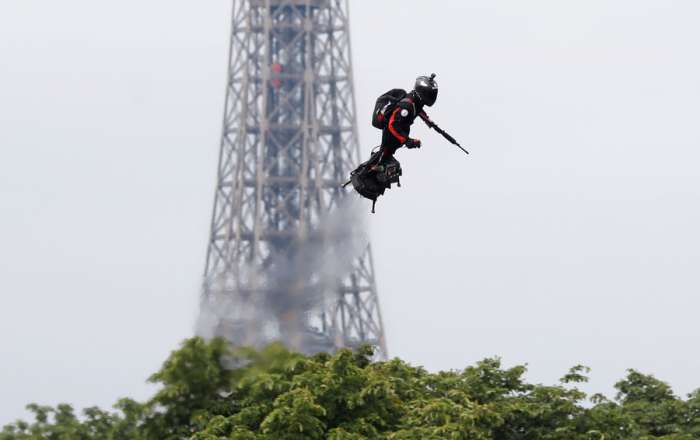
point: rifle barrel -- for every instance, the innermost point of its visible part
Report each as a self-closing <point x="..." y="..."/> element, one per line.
<point x="444" y="134"/>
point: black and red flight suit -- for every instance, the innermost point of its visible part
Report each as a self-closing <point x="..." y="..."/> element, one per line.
<point x="397" y="131"/>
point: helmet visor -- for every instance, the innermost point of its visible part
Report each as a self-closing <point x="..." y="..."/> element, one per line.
<point x="429" y="96"/>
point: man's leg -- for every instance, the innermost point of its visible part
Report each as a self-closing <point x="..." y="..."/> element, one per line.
<point x="383" y="156"/>
<point x="386" y="151"/>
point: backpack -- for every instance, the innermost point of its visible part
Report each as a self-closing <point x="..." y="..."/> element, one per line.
<point x="385" y="106"/>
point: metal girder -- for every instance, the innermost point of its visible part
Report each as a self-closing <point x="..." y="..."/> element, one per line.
<point x="275" y="266"/>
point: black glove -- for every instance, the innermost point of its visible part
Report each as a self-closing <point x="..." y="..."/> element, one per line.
<point x="413" y="143"/>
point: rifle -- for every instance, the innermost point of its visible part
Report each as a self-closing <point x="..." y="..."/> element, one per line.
<point x="444" y="134"/>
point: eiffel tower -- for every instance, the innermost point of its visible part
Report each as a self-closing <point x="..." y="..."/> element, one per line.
<point x="286" y="258"/>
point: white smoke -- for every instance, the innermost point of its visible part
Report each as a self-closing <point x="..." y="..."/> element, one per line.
<point x="301" y="281"/>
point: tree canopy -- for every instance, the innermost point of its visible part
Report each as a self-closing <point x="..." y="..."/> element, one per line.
<point x="209" y="391"/>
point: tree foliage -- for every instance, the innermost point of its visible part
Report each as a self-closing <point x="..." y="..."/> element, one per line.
<point x="210" y="392"/>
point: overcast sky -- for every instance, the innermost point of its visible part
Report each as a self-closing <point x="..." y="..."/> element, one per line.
<point x="568" y="236"/>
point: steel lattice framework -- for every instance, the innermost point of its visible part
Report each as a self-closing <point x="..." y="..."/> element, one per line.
<point x="289" y="140"/>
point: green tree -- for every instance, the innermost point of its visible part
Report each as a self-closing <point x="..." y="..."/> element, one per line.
<point x="210" y="392"/>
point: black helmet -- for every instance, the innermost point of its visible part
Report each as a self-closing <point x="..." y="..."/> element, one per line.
<point x="427" y="89"/>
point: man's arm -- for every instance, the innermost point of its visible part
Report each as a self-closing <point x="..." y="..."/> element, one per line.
<point x="400" y="122"/>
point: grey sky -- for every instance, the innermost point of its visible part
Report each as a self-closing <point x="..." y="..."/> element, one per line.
<point x="569" y="236"/>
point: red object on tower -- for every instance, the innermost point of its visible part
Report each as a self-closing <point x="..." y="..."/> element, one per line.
<point x="276" y="70"/>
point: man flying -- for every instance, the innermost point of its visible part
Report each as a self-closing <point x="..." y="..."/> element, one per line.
<point x="398" y="128"/>
<point x="394" y="113"/>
